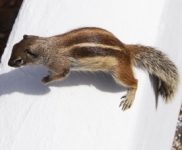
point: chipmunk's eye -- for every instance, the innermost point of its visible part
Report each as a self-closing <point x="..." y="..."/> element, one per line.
<point x="18" y="62"/>
<point x="30" y="53"/>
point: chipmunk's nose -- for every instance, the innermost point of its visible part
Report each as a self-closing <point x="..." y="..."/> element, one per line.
<point x="15" y="63"/>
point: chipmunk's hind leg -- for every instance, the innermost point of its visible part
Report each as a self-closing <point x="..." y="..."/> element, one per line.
<point x="124" y="76"/>
<point x="128" y="99"/>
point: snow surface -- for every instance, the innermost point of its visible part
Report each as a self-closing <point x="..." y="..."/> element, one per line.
<point x="81" y="112"/>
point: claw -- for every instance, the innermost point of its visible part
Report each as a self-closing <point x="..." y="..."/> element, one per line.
<point x="124" y="107"/>
<point x="121" y="103"/>
<point x="123" y="97"/>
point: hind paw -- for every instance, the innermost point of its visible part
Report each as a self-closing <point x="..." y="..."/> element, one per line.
<point x="125" y="104"/>
<point x="127" y="101"/>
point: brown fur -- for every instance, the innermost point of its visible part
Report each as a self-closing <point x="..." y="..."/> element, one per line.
<point x="94" y="49"/>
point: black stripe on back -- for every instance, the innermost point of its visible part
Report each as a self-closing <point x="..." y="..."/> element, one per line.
<point x="82" y="52"/>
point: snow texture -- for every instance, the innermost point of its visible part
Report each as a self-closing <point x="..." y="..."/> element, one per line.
<point x="81" y="112"/>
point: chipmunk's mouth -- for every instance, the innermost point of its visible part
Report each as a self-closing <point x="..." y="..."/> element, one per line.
<point x="16" y="63"/>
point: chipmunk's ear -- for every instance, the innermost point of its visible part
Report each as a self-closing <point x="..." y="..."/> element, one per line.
<point x="25" y="36"/>
<point x="29" y="36"/>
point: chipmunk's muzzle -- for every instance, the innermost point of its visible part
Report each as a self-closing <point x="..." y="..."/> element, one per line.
<point x="16" y="63"/>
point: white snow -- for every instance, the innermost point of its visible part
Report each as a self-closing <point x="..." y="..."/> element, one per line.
<point x="81" y="112"/>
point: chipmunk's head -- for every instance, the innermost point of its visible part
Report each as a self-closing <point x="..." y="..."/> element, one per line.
<point x="26" y="52"/>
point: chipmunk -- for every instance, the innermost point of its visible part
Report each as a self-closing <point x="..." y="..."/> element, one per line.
<point x="94" y="49"/>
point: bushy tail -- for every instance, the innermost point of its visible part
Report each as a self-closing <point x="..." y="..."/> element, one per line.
<point x="159" y="65"/>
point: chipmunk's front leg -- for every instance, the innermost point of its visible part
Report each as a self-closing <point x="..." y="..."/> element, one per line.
<point x="58" y="72"/>
<point x="55" y="76"/>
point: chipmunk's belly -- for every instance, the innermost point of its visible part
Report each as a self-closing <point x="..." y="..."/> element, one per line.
<point x="98" y="63"/>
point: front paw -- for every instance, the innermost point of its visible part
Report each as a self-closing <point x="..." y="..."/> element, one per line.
<point x="46" y="80"/>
